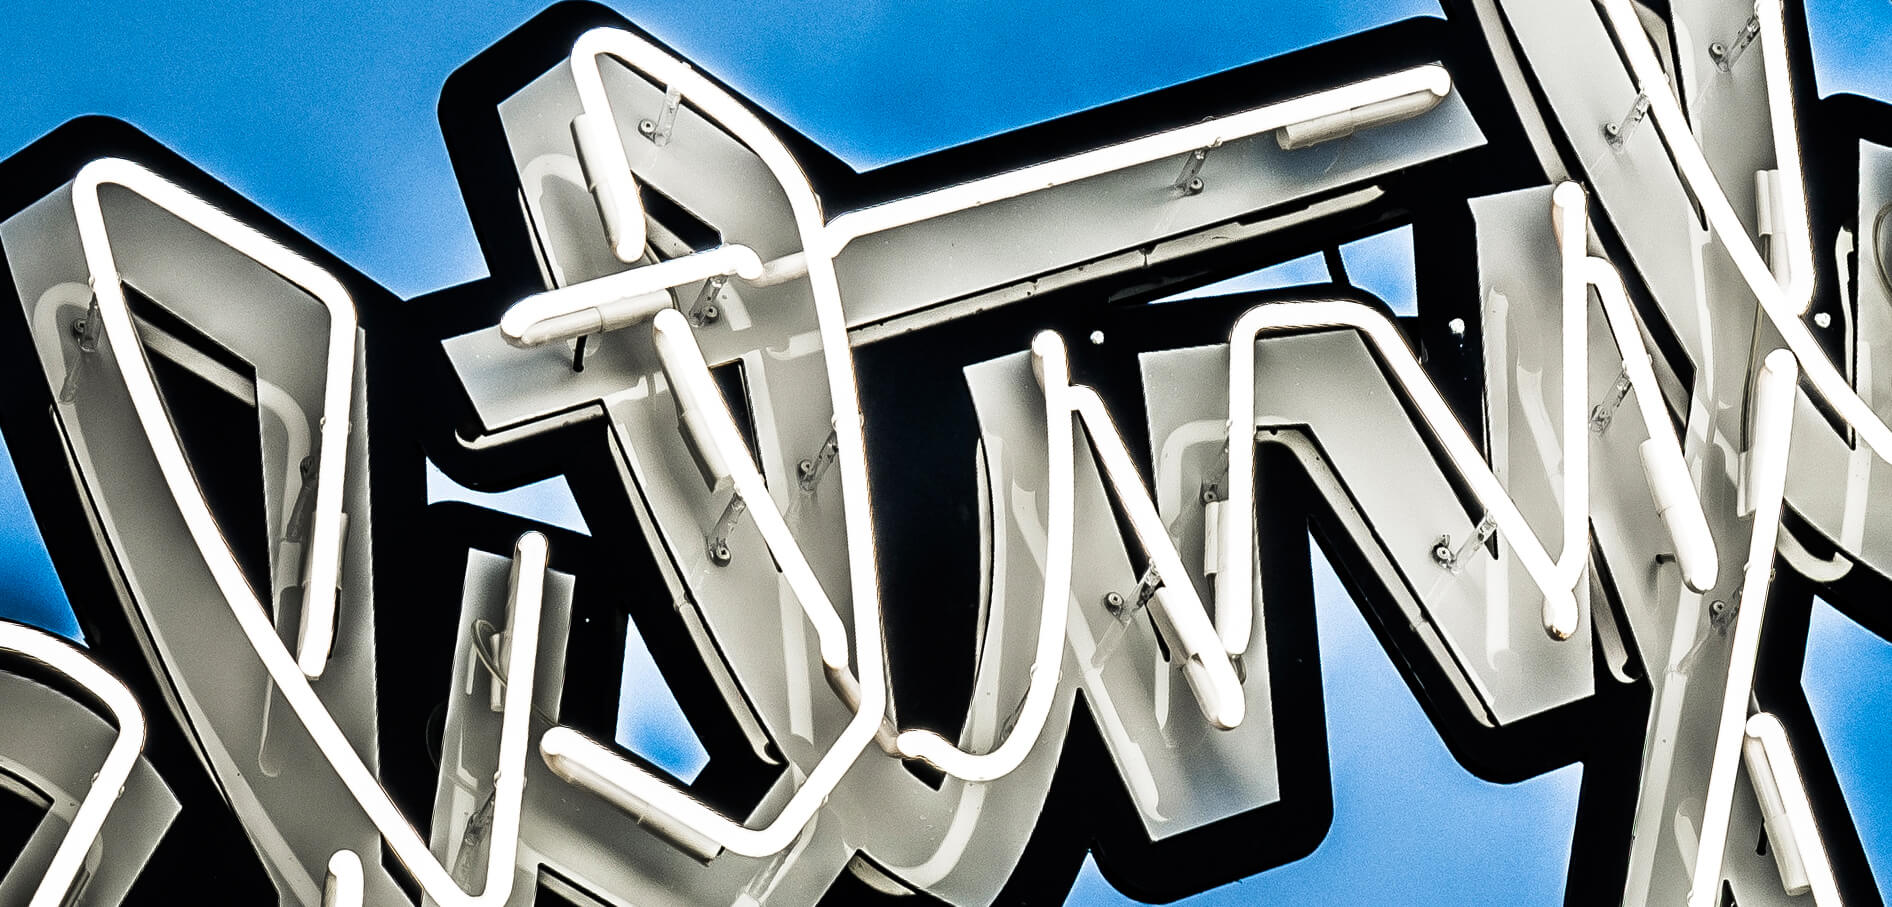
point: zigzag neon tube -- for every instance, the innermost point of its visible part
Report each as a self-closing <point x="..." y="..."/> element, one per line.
<point x="1560" y="612"/>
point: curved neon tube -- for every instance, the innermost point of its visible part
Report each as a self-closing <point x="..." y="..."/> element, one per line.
<point x="529" y="556"/>
<point x="562" y="745"/>
<point x="315" y="635"/>
<point x="1560" y="613"/>
<point x="1664" y="467"/>
<point x="109" y="691"/>
<point x="1774" y="392"/>
<point x="1052" y="369"/>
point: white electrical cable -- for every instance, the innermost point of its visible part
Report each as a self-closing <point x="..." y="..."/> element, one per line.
<point x="109" y="782"/>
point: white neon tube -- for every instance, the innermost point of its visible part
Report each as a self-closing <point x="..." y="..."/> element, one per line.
<point x="1664" y="467"/>
<point x="1782" y="303"/>
<point x="823" y="240"/>
<point x="1431" y="79"/>
<point x="1052" y="369"/>
<point x="291" y="675"/>
<point x="67" y="660"/>
<point x="613" y="187"/>
<point x="315" y="635"/>
<point x="1560" y="613"/>
<point x="343" y="888"/>
<point x="1572" y="227"/>
<point x="618" y="300"/>
<point x="1792" y="834"/>
<point x="1206" y="664"/>
<point x="1773" y="436"/>
<point x="674" y="812"/>
<point x="1328" y="127"/>
<point x="831" y="327"/>
<point x="705" y="410"/>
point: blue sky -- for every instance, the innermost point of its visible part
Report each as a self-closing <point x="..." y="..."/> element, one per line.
<point x="325" y="115"/>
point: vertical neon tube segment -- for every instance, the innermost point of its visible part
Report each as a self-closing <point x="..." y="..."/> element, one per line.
<point x="1773" y="402"/>
<point x="1052" y="370"/>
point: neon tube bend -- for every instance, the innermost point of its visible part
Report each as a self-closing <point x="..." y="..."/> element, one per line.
<point x="109" y="782"/>
<point x="315" y="635"/>
<point x="290" y="676"/>
<point x="1560" y="613"/>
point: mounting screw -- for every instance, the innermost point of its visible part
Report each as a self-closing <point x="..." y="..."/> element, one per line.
<point x="719" y="554"/>
<point x="1194" y="187"/>
<point x="1209" y="495"/>
<point x="647" y="127"/>
<point x="710" y="313"/>
<point x="1612" y="132"/>
<point x="1442" y="552"/>
<point x="1717" y="51"/>
<point x="1113" y="602"/>
<point x="805" y="468"/>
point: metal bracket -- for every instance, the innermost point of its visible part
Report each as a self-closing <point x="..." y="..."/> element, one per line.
<point x="1454" y="560"/>
<point x="809" y="471"/>
<point x="705" y="310"/>
<point x="303" y="511"/>
<point x="658" y="130"/>
<point x="1603" y="413"/>
<point x="1722" y="612"/>
<point x="1727" y="53"/>
<point x="717" y="542"/>
<point x="1189" y="182"/>
<point x="86" y="330"/>
<point x="1147" y="586"/>
<point x="1618" y="133"/>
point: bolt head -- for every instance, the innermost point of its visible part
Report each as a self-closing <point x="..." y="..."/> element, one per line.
<point x="647" y="127"/>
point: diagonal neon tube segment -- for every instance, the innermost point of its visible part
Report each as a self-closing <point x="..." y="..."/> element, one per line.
<point x="109" y="782"/>
<point x="1664" y="467"/>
